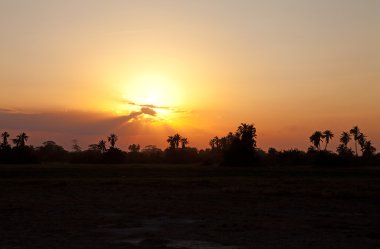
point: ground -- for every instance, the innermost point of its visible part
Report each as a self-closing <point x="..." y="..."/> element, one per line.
<point x="187" y="206"/>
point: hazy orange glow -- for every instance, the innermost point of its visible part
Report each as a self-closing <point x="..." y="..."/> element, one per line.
<point x="199" y="68"/>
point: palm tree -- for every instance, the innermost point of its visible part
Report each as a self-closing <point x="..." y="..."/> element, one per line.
<point x="20" y="140"/>
<point x="368" y="149"/>
<point x="5" y="135"/>
<point x="177" y="139"/>
<point x="342" y="149"/>
<point x="316" y="139"/>
<point x="184" y="142"/>
<point x="355" y="131"/>
<point x="171" y="142"/>
<point x="102" y="146"/>
<point x="345" y="138"/>
<point x="247" y="134"/>
<point x="328" y="135"/>
<point x="112" y="139"/>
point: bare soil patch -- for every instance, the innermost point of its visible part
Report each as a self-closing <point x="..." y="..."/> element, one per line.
<point x="188" y="206"/>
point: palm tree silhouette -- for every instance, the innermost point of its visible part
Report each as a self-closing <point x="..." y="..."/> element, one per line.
<point x="5" y="135"/>
<point x="328" y="135"/>
<point x="247" y="134"/>
<point x="174" y="141"/>
<point x="20" y="140"/>
<point x="316" y="139"/>
<point x="112" y="139"/>
<point x="102" y="146"/>
<point x="345" y="138"/>
<point x="177" y="139"/>
<point x="171" y="142"/>
<point x="368" y="149"/>
<point x="184" y="142"/>
<point x="355" y="131"/>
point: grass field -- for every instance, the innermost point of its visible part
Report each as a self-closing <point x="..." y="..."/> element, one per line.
<point x="188" y="206"/>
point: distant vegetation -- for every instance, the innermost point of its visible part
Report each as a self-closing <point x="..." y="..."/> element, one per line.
<point x="235" y="149"/>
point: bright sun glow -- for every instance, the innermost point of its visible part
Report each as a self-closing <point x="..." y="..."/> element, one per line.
<point x="152" y="89"/>
<point x="155" y="91"/>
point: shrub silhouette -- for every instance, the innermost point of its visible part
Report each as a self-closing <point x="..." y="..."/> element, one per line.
<point x="51" y="152"/>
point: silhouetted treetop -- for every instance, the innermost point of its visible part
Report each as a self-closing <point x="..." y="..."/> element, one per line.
<point x="5" y="135"/>
<point x="327" y="135"/>
<point x="102" y="146"/>
<point x="20" y="140"/>
<point x="355" y="131"/>
<point x="134" y="148"/>
<point x="316" y="139"/>
<point x="112" y="139"/>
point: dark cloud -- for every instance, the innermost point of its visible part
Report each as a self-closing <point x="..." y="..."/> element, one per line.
<point x="6" y="110"/>
<point x="148" y="111"/>
<point x="146" y="105"/>
<point x="80" y="123"/>
<point x="152" y="107"/>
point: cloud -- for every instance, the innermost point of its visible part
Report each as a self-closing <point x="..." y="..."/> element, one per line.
<point x="73" y="122"/>
<point x="88" y="127"/>
<point x="7" y="110"/>
<point x="148" y="111"/>
<point x="152" y="107"/>
<point x="145" y="105"/>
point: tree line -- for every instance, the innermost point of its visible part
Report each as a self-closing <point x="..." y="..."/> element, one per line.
<point x="359" y="138"/>
<point x="237" y="148"/>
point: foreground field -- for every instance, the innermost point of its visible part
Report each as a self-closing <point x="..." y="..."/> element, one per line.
<point x="179" y="206"/>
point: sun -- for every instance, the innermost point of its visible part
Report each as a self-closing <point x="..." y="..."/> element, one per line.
<point x="154" y="91"/>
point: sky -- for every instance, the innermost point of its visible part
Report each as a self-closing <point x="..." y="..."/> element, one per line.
<point x="146" y="69"/>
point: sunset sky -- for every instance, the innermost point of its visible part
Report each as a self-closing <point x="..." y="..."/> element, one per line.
<point x="146" y="69"/>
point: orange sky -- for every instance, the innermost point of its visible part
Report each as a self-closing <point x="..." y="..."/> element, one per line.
<point x="82" y="69"/>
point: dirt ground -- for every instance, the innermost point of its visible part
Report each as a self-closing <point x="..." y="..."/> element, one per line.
<point x="181" y="206"/>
